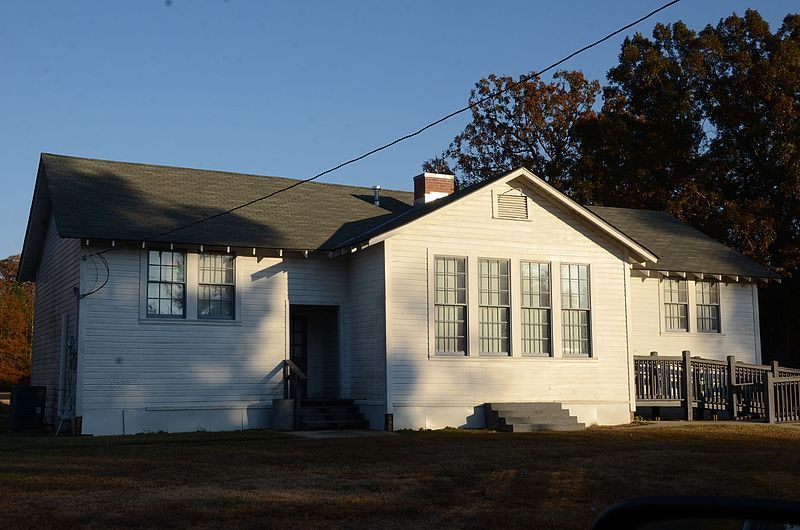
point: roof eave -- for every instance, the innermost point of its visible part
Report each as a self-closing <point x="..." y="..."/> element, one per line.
<point x="36" y="229"/>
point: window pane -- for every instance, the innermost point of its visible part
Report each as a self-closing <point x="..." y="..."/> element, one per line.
<point x="575" y="310"/>
<point x="215" y="294"/>
<point x="707" y="294"/>
<point x="676" y="307"/>
<point x="495" y="300"/>
<point x="450" y="298"/>
<point x="166" y="283"/>
<point x="535" y="315"/>
<point x="575" y="286"/>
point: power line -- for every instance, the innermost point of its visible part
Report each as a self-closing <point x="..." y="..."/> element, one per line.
<point x="522" y="79"/>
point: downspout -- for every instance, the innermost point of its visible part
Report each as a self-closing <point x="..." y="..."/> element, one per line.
<point x="629" y="356"/>
<point x="62" y="368"/>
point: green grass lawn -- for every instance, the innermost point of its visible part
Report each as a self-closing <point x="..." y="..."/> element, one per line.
<point x="414" y="479"/>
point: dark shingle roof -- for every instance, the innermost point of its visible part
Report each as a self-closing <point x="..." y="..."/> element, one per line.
<point x="680" y="247"/>
<point x="98" y="199"/>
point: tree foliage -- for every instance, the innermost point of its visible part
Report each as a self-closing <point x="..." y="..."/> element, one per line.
<point x="16" y="324"/>
<point x="703" y="124"/>
<point x="529" y="125"/>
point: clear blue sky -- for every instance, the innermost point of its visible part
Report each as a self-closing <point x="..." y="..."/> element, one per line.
<point x="277" y="88"/>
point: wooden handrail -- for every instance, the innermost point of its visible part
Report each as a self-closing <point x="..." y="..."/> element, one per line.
<point x="771" y="391"/>
<point x="297" y="371"/>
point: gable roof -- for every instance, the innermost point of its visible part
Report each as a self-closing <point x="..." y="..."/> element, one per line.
<point x="99" y="199"/>
<point x="106" y="200"/>
<point x="387" y="228"/>
<point x="680" y="247"/>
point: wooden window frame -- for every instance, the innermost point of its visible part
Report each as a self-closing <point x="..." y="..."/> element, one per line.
<point x="566" y="310"/>
<point x="698" y="304"/>
<point x="548" y="309"/>
<point x="201" y="284"/>
<point x="669" y="303"/>
<point x="465" y="305"/>
<point x="481" y="307"/>
<point x="161" y="282"/>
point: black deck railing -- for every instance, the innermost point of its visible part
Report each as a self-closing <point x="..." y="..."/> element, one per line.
<point x="739" y="390"/>
<point x="292" y="386"/>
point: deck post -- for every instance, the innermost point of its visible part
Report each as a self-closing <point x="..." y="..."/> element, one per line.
<point x="769" y="397"/>
<point x="656" y="411"/>
<point x="733" y="405"/>
<point x="775" y="368"/>
<point x="687" y="385"/>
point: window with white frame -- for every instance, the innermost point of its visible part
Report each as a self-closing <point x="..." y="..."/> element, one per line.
<point x="494" y="307"/>
<point x="450" y="305"/>
<point x="535" y="278"/>
<point x="166" y="284"/>
<point x="216" y="286"/>
<point x="676" y="305"/>
<point x="575" y="317"/>
<point x="707" y="294"/>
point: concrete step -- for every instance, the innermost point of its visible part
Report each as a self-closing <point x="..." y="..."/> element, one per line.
<point x="539" y="427"/>
<point x="326" y="416"/>
<point x="548" y="417"/>
<point x="507" y="407"/>
<point x="530" y="417"/>
<point x="326" y="402"/>
<point x="334" y="424"/>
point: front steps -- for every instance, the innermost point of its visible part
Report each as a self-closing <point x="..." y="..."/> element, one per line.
<point x="330" y="414"/>
<point x="530" y="417"/>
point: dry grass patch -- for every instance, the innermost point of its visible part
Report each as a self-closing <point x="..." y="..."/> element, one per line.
<point x="259" y="478"/>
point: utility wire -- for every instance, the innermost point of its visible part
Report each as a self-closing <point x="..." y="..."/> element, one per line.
<point x="522" y="79"/>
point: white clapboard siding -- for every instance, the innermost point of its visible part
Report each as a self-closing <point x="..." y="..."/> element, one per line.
<point x="367" y="353"/>
<point x="737" y="315"/>
<point x="135" y="368"/>
<point x="57" y="276"/>
<point x="424" y="385"/>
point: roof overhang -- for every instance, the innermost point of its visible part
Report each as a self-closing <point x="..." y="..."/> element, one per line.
<point x="36" y="230"/>
<point x="643" y="272"/>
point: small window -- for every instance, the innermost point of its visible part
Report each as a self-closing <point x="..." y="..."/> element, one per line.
<point x="495" y="307"/>
<point x="676" y="305"/>
<point x="513" y="204"/>
<point x="166" y="284"/>
<point x="707" y="307"/>
<point x="216" y="286"/>
<point x="575" y="315"/>
<point x="535" y="308"/>
<point x="450" y="301"/>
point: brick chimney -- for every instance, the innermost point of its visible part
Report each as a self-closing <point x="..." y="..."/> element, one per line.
<point x="431" y="186"/>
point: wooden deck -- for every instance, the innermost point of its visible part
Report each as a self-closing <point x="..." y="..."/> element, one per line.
<point x="728" y="389"/>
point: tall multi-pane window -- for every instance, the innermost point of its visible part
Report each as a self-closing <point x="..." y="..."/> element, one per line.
<point x="575" y="310"/>
<point x="166" y="284"/>
<point x="494" y="307"/>
<point x="676" y="305"/>
<point x="707" y="306"/>
<point x="215" y="286"/>
<point x="450" y="301"/>
<point x="535" y="308"/>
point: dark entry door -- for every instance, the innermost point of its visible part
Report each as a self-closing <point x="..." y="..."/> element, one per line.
<point x="298" y="348"/>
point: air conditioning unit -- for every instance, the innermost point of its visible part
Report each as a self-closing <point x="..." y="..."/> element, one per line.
<point x="27" y="407"/>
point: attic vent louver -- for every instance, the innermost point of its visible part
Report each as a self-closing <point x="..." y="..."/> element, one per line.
<point x="512" y="204"/>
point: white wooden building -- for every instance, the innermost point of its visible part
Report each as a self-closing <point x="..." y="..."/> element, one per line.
<point x="424" y="306"/>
